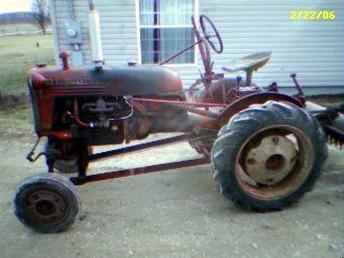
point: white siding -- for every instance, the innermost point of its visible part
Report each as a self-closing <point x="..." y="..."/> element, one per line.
<point x="314" y="50"/>
<point x="118" y="26"/>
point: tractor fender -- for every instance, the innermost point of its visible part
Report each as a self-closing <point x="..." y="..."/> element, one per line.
<point x="256" y="98"/>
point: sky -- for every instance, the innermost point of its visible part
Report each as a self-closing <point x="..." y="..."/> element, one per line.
<point x="14" y="5"/>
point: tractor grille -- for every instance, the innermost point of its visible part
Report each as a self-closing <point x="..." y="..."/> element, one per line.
<point x="34" y="103"/>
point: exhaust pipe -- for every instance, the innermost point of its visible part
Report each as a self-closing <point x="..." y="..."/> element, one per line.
<point x="95" y="36"/>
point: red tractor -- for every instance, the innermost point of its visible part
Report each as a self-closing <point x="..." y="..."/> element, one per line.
<point x="265" y="148"/>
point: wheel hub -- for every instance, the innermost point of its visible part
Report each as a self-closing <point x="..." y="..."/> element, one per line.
<point x="272" y="160"/>
<point x="45" y="206"/>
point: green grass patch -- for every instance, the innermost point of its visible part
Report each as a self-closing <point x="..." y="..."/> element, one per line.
<point x="18" y="54"/>
<point x="17" y="28"/>
<point x="16" y="121"/>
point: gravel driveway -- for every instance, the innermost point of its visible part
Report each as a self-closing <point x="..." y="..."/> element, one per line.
<point x="173" y="214"/>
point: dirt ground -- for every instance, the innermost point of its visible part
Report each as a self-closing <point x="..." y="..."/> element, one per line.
<point x="173" y="214"/>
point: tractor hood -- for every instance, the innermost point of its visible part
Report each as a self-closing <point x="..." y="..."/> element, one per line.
<point x="118" y="81"/>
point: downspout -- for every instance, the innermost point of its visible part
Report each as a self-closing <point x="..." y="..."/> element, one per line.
<point x="95" y="36"/>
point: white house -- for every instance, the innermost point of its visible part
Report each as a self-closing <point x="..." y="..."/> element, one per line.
<point x="150" y="30"/>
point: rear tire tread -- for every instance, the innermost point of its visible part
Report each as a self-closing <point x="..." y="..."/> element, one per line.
<point x="244" y="124"/>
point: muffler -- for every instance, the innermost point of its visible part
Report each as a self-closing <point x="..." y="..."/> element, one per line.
<point x="95" y="36"/>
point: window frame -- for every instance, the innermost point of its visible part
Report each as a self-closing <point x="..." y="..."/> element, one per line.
<point x="138" y="35"/>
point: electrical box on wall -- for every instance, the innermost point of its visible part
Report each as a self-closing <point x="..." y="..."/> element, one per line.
<point x="73" y="32"/>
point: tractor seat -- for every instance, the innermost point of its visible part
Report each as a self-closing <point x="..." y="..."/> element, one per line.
<point x="248" y="63"/>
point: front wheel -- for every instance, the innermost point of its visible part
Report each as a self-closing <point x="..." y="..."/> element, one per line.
<point x="268" y="157"/>
<point x="47" y="203"/>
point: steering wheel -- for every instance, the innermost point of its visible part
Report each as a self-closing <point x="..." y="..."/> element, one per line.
<point x="207" y="24"/>
<point x="202" y="46"/>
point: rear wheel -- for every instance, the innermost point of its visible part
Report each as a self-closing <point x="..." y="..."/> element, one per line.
<point x="47" y="203"/>
<point x="268" y="157"/>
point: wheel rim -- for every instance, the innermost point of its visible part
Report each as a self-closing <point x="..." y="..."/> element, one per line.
<point x="45" y="207"/>
<point x="274" y="162"/>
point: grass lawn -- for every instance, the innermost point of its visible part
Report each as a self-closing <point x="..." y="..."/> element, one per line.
<point x="18" y="54"/>
<point x="17" y="28"/>
<point x="16" y="121"/>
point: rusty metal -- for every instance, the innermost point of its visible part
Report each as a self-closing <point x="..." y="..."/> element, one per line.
<point x="31" y="155"/>
<point x="202" y="112"/>
<point x="139" y="171"/>
<point x="77" y="118"/>
<point x="180" y="103"/>
<point x="138" y="147"/>
<point x="202" y="140"/>
<point x="332" y="121"/>
<point x="63" y="135"/>
<point x="297" y="85"/>
<point x="83" y="178"/>
<point x="272" y="160"/>
<point x="160" y="104"/>
<point x="205" y="23"/>
<point x="288" y="177"/>
<point x="44" y="205"/>
<point x="169" y="59"/>
<point x="203" y="50"/>
<point x="48" y="84"/>
<point x="126" y="132"/>
<point x="255" y="98"/>
<point x="335" y="135"/>
<point x="188" y="106"/>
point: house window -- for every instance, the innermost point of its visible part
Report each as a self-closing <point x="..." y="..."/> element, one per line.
<point x="165" y="29"/>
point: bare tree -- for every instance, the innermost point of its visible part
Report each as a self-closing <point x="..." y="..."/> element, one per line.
<point x="41" y="14"/>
